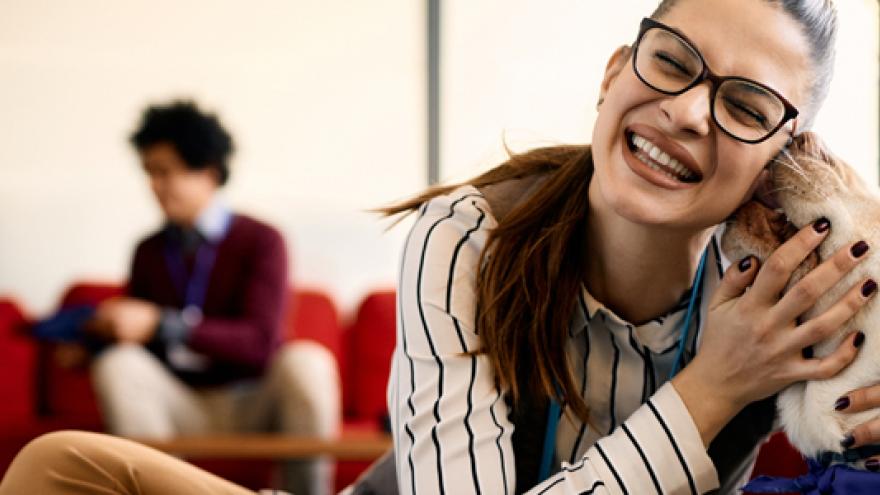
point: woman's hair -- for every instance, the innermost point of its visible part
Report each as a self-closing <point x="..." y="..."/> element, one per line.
<point x="198" y="137"/>
<point x="818" y="20"/>
<point x="532" y="270"/>
<point x="533" y="265"/>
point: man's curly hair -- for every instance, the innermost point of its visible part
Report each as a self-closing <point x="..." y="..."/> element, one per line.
<point x="199" y="138"/>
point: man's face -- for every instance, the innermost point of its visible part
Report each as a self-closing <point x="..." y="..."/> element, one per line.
<point x="181" y="193"/>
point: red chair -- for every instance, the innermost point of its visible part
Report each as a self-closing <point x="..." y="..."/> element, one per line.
<point x="368" y="343"/>
<point x="18" y="410"/>
<point x="19" y="360"/>
<point x="312" y="315"/>
<point x="778" y="458"/>
<point x="67" y="392"/>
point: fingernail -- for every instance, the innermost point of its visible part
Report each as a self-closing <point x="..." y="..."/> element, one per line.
<point x="859" y="249"/>
<point x="872" y="465"/>
<point x="869" y="288"/>
<point x="841" y="404"/>
<point x="745" y="263"/>
<point x="859" y="340"/>
<point x="848" y="441"/>
<point x="807" y="352"/>
<point x="821" y="225"/>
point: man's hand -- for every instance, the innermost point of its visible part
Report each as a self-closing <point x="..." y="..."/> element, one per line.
<point x="126" y="319"/>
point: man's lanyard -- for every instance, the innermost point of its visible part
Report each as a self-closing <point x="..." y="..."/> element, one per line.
<point x="192" y="286"/>
<point x="555" y="411"/>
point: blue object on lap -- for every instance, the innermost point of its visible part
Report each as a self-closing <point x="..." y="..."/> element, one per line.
<point x="65" y="326"/>
<point x="836" y="479"/>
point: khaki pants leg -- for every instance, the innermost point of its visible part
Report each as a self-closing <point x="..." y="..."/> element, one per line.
<point x="141" y="398"/>
<point x="300" y="395"/>
<point x="80" y="463"/>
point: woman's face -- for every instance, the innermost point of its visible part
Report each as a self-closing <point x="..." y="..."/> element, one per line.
<point x="747" y="38"/>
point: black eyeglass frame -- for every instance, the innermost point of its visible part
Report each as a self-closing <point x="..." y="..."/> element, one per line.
<point x="647" y="24"/>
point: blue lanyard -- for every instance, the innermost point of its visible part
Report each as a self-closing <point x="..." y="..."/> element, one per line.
<point x="192" y="287"/>
<point x="554" y="411"/>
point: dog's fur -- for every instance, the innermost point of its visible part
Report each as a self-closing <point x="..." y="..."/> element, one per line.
<point x="810" y="183"/>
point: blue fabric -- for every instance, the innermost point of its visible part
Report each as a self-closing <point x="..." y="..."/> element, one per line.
<point x="838" y="479"/>
<point x="64" y="326"/>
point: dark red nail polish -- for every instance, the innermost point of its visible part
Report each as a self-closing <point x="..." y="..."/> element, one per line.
<point x="859" y="249"/>
<point x="821" y="225"/>
<point x="859" y="340"/>
<point x="745" y="263"/>
<point x="841" y="404"/>
<point x="848" y="441"/>
<point x="872" y="465"/>
<point x="869" y="288"/>
<point x="807" y="352"/>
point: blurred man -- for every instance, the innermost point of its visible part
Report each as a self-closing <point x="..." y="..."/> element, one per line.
<point x="197" y="340"/>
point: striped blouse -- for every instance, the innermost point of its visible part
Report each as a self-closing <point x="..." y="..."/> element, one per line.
<point x="450" y="423"/>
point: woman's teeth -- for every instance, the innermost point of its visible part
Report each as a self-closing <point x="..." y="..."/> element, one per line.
<point x="658" y="160"/>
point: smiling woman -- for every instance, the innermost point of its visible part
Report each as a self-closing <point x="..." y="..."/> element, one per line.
<point x="565" y="320"/>
<point x="546" y="305"/>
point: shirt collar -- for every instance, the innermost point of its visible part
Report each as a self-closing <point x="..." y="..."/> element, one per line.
<point x="213" y="222"/>
<point x="211" y="225"/>
<point x="660" y="332"/>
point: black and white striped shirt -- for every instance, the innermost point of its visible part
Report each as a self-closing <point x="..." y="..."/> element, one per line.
<point x="450" y="424"/>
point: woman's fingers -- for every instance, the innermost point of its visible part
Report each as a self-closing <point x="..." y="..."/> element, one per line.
<point x="865" y="434"/>
<point x="828" y="323"/>
<point x="735" y="281"/>
<point x="803" y="295"/>
<point x="859" y="400"/>
<point x="777" y="269"/>
<point x="826" y="367"/>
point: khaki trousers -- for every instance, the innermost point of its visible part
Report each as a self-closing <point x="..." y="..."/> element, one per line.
<point x="299" y="395"/>
<point x="80" y="463"/>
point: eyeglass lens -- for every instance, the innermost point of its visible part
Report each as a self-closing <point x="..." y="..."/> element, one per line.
<point x="669" y="64"/>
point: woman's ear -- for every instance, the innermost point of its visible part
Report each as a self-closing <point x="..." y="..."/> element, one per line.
<point x="615" y="65"/>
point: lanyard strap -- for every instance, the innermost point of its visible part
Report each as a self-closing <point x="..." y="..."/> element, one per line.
<point x="192" y="287"/>
<point x="686" y="326"/>
<point x="554" y="411"/>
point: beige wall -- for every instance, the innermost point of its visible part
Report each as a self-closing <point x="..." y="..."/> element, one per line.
<point x="326" y="100"/>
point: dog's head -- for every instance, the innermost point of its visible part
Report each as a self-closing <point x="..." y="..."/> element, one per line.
<point x="808" y="182"/>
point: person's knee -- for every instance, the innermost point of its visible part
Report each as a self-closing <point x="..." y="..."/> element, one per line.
<point x="52" y="448"/>
<point x="308" y="383"/>
<point x="306" y="361"/>
<point x="119" y="363"/>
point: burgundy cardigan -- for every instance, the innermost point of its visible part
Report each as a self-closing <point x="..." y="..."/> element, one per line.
<point x="244" y="303"/>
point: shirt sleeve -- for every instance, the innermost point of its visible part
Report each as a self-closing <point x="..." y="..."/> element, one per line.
<point x="657" y="450"/>
<point x="450" y="422"/>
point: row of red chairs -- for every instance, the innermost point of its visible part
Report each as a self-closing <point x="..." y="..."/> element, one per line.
<point x="41" y="396"/>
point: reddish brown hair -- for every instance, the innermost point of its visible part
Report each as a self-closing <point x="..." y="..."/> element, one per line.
<point x="533" y="267"/>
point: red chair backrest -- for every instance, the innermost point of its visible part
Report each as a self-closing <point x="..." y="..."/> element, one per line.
<point x="369" y="343"/>
<point x="68" y="393"/>
<point x="18" y="355"/>
<point x="90" y="294"/>
<point x="312" y="315"/>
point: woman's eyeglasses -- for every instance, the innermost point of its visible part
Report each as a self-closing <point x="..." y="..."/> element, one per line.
<point x="668" y="62"/>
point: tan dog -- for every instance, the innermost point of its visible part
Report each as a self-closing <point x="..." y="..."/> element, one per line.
<point x="811" y="183"/>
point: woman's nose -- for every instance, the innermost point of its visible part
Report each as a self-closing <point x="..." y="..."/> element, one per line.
<point x="688" y="113"/>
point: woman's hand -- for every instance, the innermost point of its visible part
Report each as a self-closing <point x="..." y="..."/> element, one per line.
<point x="867" y="433"/>
<point x="753" y="345"/>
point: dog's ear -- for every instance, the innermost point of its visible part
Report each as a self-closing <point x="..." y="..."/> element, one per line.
<point x="808" y="145"/>
<point x="811" y="145"/>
